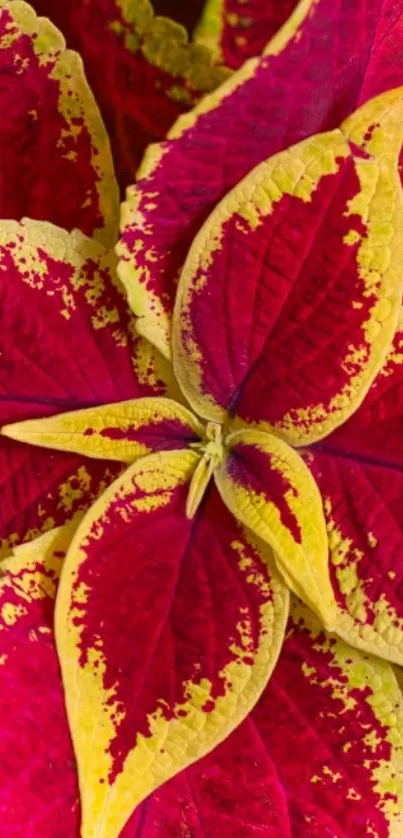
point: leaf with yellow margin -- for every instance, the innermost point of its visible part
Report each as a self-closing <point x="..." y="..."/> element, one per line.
<point x="167" y="632"/>
<point x="317" y="230"/>
<point x="56" y="162"/>
<point x="268" y="487"/>
<point x="38" y="784"/>
<point x="289" y="93"/>
<point x="359" y="470"/>
<point x="235" y="30"/>
<point x="68" y="342"/>
<point x="122" y="431"/>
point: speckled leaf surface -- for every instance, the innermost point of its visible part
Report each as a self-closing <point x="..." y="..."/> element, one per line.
<point x="236" y="30"/>
<point x="267" y="487"/>
<point x="306" y="254"/>
<point x="345" y="712"/>
<point x="55" y="162"/>
<point x="312" y="76"/>
<point x="143" y="69"/>
<point x="67" y="341"/>
<point x="164" y="651"/>
<point x="358" y="469"/>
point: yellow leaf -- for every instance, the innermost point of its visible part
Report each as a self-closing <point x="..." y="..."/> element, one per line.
<point x="123" y="431"/>
<point x="268" y="487"/>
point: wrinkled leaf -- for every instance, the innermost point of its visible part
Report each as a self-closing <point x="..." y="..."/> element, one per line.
<point x="167" y="632"/>
<point x="359" y="470"/>
<point x="56" y="163"/>
<point x="267" y="487"/>
<point x="38" y="788"/>
<point x="310" y="79"/>
<point x="307" y="254"/>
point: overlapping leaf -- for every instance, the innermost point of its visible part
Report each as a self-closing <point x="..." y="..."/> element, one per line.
<point x="141" y="67"/>
<point x="167" y="632"/>
<point x="56" y="163"/>
<point x="38" y="788"/>
<point x="236" y="30"/>
<point x="312" y="76"/>
<point x="298" y="276"/>
<point x="267" y="486"/>
<point x="344" y="710"/>
<point x="67" y="341"/>
<point x="359" y="471"/>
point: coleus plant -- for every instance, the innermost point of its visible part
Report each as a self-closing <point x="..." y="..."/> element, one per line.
<point x="266" y="458"/>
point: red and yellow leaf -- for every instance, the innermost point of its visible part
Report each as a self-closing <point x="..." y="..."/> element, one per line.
<point x="67" y="342"/>
<point x="345" y="711"/>
<point x="38" y="787"/>
<point x="324" y="745"/>
<point x="288" y="94"/>
<point x="359" y="470"/>
<point x="167" y="633"/>
<point x="235" y="31"/>
<point x="306" y="252"/>
<point x="143" y="69"/>
<point x="123" y="431"/>
<point x="268" y="487"/>
<point x="56" y="163"/>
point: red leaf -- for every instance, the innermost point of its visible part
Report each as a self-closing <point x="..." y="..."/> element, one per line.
<point x="55" y="156"/>
<point x="66" y="341"/>
<point x="143" y="72"/>
<point x="236" y="30"/>
<point x="308" y="84"/>
<point x="359" y="469"/>
<point x="167" y="632"/>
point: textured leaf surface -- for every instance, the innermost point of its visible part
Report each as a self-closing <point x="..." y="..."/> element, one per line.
<point x="122" y="431"/>
<point x="236" y="30"/>
<point x="307" y="253"/>
<point x="142" y="68"/>
<point x="163" y="651"/>
<point x="313" y="75"/>
<point x="55" y="161"/>
<point x="343" y="778"/>
<point x="359" y="471"/>
<point x="267" y="486"/>
<point x="38" y="788"/>
<point x="66" y="342"/>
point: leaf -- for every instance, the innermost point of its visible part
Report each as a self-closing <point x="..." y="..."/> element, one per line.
<point x="346" y="713"/>
<point x="318" y="232"/>
<point x="286" y="95"/>
<point x="56" y="162"/>
<point x="142" y="68"/>
<point x="235" y="31"/>
<point x="38" y="788"/>
<point x="232" y="792"/>
<point x="122" y="431"/>
<point x="268" y="488"/>
<point x="66" y="342"/>
<point x="359" y="470"/>
<point x="163" y="651"/>
<point x="320" y="755"/>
